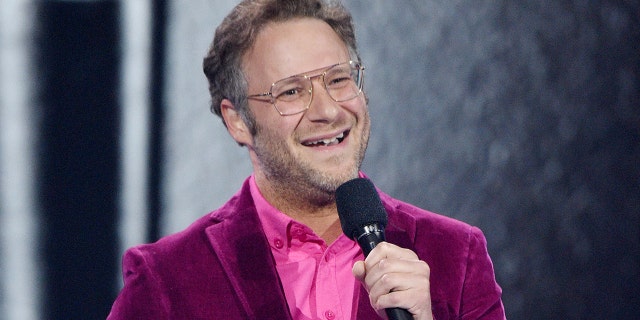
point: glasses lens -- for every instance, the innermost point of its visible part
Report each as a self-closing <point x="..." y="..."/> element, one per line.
<point x="291" y="94"/>
<point x="343" y="81"/>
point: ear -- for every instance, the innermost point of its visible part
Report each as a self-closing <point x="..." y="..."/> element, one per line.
<point x="235" y="125"/>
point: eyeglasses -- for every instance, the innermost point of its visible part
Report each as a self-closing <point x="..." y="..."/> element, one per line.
<point x="293" y="95"/>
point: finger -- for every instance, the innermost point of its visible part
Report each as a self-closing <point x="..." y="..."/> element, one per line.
<point x="399" y="282"/>
<point x="414" y="302"/>
<point x="407" y="268"/>
<point x="359" y="270"/>
<point x="385" y="250"/>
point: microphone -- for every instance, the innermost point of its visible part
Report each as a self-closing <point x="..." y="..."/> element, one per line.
<point x="363" y="218"/>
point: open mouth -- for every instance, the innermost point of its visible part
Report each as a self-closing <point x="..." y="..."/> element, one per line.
<point x="327" y="142"/>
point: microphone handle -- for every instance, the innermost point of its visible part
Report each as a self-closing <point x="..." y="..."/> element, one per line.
<point x="398" y="314"/>
<point x="367" y="242"/>
<point x="370" y="239"/>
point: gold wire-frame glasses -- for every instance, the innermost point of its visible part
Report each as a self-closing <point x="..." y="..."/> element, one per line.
<point x="292" y="95"/>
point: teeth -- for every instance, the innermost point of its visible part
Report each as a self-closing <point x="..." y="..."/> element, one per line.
<point x="327" y="142"/>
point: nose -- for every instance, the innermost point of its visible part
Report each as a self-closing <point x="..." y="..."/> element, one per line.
<point x="322" y="107"/>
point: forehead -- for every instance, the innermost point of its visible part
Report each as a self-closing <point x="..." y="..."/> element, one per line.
<point x="292" y="47"/>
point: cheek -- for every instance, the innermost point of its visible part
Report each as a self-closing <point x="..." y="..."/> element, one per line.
<point x="357" y="106"/>
<point x="264" y="118"/>
<point x="278" y="127"/>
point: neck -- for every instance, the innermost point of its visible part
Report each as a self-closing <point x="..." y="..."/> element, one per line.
<point x="325" y="224"/>
<point x="320" y="216"/>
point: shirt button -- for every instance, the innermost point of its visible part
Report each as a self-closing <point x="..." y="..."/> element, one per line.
<point x="278" y="243"/>
<point x="329" y="315"/>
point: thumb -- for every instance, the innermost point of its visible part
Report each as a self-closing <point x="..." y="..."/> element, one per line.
<point x="358" y="270"/>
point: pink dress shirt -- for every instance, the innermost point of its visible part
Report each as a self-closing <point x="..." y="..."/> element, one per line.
<point x="316" y="278"/>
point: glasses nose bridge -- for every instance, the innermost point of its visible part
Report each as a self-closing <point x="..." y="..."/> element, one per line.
<point x="322" y="82"/>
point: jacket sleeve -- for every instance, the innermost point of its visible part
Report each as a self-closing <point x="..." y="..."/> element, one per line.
<point x="481" y="294"/>
<point x="141" y="297"/>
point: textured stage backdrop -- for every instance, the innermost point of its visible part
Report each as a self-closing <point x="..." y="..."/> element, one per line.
<point x="520" y="117"/>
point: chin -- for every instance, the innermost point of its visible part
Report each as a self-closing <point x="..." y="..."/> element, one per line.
<point x="330" y="182"/>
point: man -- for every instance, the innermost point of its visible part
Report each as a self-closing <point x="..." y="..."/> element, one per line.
<point x="286" y="78"/>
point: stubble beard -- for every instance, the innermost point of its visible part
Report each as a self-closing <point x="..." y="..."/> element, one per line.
<point x="296" y="180"/>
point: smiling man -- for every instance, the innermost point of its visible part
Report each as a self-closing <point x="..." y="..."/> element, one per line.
<point x="300" y="158"/>
<point x="287" y="80"/>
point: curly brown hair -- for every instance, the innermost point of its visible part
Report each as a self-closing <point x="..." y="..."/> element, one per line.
<point x="237" y="34"/>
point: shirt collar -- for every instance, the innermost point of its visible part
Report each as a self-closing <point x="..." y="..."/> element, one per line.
<point x="274" y="223"/>
<point x="279" y="227"/>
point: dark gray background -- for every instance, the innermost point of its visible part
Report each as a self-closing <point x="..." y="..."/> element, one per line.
<point x="523" y="118"/>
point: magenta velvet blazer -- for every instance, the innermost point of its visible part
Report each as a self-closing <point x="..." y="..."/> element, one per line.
<point x="221" y="267"/>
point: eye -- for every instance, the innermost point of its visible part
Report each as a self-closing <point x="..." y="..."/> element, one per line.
<point x="289" y="93"/>
<point x="290" y="89"/>
<point x="339" y="79"/>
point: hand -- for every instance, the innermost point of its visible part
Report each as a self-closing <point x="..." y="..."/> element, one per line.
<point x="396" y="277"/>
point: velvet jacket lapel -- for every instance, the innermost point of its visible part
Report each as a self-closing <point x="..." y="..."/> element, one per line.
<point x="242" y="248"/>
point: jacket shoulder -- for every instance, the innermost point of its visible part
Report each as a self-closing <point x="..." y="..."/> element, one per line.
<point x="420" y="223"/>
<point x="194" y="236"/>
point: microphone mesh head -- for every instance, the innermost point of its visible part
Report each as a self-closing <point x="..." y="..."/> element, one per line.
<point x="359" y="205"/>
